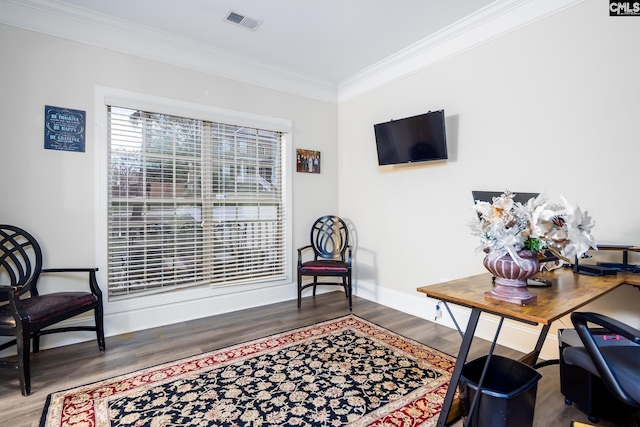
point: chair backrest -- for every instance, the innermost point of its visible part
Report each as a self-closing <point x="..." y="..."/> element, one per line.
<point x="625" y="386"/>
<point x="329" y="237"/>
<point x="20" y="260"/>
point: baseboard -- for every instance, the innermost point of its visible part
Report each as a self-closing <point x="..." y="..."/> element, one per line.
<point x="514" y="335"/>
<point x="122" y="322"/>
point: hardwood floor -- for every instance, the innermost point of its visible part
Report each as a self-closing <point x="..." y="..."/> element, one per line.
<point x="72" y="366"/>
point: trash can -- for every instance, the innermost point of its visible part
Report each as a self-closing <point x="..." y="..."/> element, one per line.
<point x="507" y="394"/>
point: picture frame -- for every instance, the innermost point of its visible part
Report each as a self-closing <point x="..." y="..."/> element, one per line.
<point x="308" y="161"/>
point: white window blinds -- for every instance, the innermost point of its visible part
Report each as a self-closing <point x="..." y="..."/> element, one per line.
<point x="192" y="202"/>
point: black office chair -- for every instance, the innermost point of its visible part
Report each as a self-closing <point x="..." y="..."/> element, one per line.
<point x="617" y="366"/>
<point x="331" y="256"/>
<point x="25" y="314"/>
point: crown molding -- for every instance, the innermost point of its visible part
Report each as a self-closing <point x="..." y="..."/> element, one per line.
<point x="61" y="20"/>
<point x="493" y="21"/>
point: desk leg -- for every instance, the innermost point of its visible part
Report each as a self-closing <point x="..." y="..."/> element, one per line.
<point x="457" y="369"/>
<point x="531" y="358"/>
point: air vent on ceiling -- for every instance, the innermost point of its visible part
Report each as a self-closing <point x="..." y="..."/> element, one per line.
<point x="242" y="20"/>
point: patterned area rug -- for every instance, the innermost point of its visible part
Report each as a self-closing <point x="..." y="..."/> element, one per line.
<point x="345" y="371"/>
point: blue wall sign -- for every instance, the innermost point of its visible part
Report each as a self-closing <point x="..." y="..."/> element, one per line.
<point x="64" y="129"/>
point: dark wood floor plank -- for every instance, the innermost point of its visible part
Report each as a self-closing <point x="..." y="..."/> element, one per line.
<point x="75" y="365"/>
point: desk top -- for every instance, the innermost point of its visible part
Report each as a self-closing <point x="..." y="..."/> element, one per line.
<point x="567" y="293"/>
<point x="617" y="247"/>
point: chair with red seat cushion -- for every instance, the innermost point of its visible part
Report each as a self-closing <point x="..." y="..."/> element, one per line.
<point x="25" y="313"/>
<point x="331" y="256"/>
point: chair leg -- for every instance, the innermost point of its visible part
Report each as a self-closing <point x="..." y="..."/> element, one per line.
<point x="23" y="346"/>
<point x="36" y="342"/>
<point x="345" y="287"/>
<point x="99" y="319"/>
<point x="350" y="292"/>
<point x="315" y="282"/>
<point x="299" y="289"/>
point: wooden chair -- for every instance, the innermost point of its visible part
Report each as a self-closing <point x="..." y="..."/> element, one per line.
<point x="25" y="313"/>
<point x="331" y="256"/>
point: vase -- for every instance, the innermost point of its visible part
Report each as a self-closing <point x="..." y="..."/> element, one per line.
<point x="511" y="278"/>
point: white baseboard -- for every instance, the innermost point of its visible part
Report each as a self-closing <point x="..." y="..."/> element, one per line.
<point x="138" y="319"/>
<point x="514" y="335"/>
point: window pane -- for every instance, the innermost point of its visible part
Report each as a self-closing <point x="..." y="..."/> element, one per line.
<point x="192" y="203"/>
<point x="155" y="206"/>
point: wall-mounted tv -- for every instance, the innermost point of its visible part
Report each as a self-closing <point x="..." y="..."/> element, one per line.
<point x="413" y="139"/>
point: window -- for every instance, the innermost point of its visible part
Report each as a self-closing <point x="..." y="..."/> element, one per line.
<point x="191" y="203"/>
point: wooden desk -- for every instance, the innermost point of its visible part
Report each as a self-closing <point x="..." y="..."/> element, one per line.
<point x="625" y="249"/>
<point x="567" y="293"/>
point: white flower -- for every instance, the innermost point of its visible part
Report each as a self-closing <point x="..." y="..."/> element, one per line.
<point x="506" y="227"/>
<point x="579" y="227"/>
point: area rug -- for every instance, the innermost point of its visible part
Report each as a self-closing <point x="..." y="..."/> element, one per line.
<point x="345" y="371"/>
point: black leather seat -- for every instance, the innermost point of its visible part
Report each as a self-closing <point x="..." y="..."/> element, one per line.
<point x="25" y="313"/>
<point x="617" y="366"/>
<point x="331" y="256"/>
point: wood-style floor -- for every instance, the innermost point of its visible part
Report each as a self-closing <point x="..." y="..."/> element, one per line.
<point x="71" y="366"/>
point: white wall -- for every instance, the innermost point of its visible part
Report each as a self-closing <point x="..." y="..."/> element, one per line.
<point x="53" y="194"/>
<point x="550" y="107"/>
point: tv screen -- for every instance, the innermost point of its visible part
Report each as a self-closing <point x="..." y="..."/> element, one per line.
<point x="413" y="139"/>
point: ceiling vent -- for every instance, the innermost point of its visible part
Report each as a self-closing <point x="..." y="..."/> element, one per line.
<point x="242" y="20"/>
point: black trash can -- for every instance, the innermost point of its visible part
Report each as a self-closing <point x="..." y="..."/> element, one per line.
<point x="507" y="395"/>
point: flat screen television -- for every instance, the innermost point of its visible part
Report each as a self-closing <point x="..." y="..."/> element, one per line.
<point x="413" y="139"/>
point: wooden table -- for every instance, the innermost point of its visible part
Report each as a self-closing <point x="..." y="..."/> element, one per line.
<point x="625" y="249"/>
<point x="567" y="293"/>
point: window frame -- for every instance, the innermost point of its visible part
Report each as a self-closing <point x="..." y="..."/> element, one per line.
<point x="110" y="96"/>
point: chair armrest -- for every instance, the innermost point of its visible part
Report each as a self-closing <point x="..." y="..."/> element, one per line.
<point x="595" y="354"/>
<point x="349" y="255"/>
<point x="14" y="304"/>
<point x="11" y="293"/>
<point x="8" y="288"/>
<point x="608" y="323"/>
<point x="93" y="282"/>
<point x="300" y="251"/>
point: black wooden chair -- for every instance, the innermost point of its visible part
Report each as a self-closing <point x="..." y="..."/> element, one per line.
<point x="618" y="366"/>
<point x="331" y="256"/>
<point x="25" y="313"/>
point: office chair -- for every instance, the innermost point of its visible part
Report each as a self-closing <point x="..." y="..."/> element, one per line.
<point x="618" y="366"/>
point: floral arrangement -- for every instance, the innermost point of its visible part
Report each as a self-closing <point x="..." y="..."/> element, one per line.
<point x="506" y="227"/>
